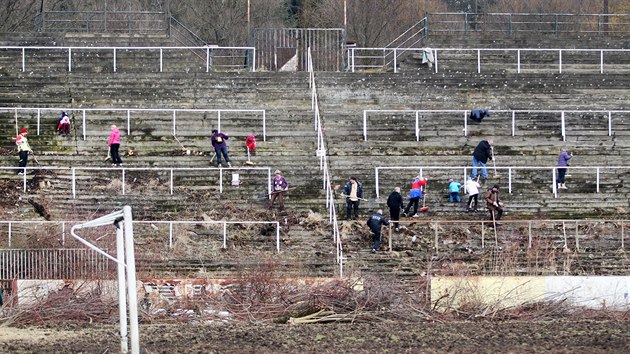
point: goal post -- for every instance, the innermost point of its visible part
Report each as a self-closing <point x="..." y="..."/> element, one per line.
<point x="125" y="260"/>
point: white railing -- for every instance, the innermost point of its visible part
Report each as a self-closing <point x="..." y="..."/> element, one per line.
<point x="66" y="226"/>
<point x="127" y="111"/>
<point x="570" y="230"/>
<point x="510" y="115"/>
<point x="124" y="170"/>
<point x="374" y="58"/>
<point x="323" y="165"/>
<point x="213" y="55"/>
<point x="595" y="170"/>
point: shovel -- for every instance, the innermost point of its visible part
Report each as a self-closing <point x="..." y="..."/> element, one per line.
<point x="109" y="154"/>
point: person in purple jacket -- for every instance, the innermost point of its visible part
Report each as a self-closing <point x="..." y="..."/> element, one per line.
<point x="220" y="147"/>
<point x="563" y="163"/>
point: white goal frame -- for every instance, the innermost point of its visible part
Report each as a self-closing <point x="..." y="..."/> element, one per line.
<point x="125" y="260"/>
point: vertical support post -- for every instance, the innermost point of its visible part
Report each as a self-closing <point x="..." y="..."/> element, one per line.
<point x="128" y="122"/>
<point x="435" y="61"/>
<point x="174" y="122"/>
<point x="417" y="126"/>
<point x="122" y="289"/>
<point x="74" y="184"/>
<point x="264" y="114"/>
<point x="622" y="235"/>
<point x="277" y="237"/>
<point x="38" y="118"/>
<point x="554" y="186"/>
<point x="69" y="59"/>
<point x="115" y="67"/>
<point x="24" y="179"/>
<point x="609" y="123"/>
<point x="23" y="60"/>
<point x="171" y="184"/>
<point x="132" y="295"/>
<point x="601" y="61"/>
<point x="395" y="64"/>
<point x="529" y="235"/>
<point x="220" y="179"/>
<point x="577" y="237"/>
<point x="160" y="59"/>
<point x="478" y="61"/>
<point x="597" y="180"/>
<point x="563" y="126"/>
<point x="170" y="234"/>
<point x="465" y="123"/>
<point x="483" y="235"/>
<point x="376" y="184"/>
<point x="513" y="123"/>
<point x="560" y="61"/>
<point x="224" y="234"/>
<point x="207" y="59"/>
<point x="510" y="180"/>
<point x="390" y="237"/>
<point x="84" y="128"/>
<point x="518" y="61"/>
<point x="268" y="182"/>
<point x="365" y="125"/>
<point x="63" y="233"/>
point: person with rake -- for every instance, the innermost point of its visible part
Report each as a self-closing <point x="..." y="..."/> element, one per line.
<point x="480" y="157"/>
<point x="23" y="149"/>
<point x="280" y="185"/>
<point x="493" y="203"/>
<point x="472" y="189"/>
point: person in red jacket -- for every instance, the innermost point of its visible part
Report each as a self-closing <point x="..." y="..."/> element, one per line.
<point x="250" y="144"/>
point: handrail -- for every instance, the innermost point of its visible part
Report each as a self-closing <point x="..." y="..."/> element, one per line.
<point x="324" y="165"/>
<point x="39" y="110"/>
<point x="123" y="170"/>
<point x="93" y="21"/>
<point x="209" y="54"/>
<point x="553" y="169"/>
<point x="191" y="36"/>
<point x="67" y="224"/>
<point x="512" y="116"/>
<point x="374" y="62"/>
<point x="422" y="33"/>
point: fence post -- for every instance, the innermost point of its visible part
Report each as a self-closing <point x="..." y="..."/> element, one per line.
<point x="74" y="188"/>
<point x="609" y="123"/>
<point x="563" y="127"/>
<point x="597" y="181"/>
<point x="518" y="60"/>
<point x="171" y="181"/>
<point x="38" y="117"/>
<point x="69" y="59"/>
<point x="513" y="123"/>
<point x="376" y="184"/>
<point x="114" y="59"/>
<point x="224" y="234"/>
<point x="170" y="234"/>
<point x="277" y="237"/>
<point x="84" y="128"/>
<point x="174" y="122"/>
<point x="365" y="125"/>
<point x="417" y="127"/>
<point x="560" y="61"/>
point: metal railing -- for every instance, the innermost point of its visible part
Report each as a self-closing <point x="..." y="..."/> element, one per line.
<point x="595" y="170"/>
<point x="570" y="230"/>
<point x="324" y="165"/>
<point x="581" y="58"/>
<point x="510" y="116"/>
<point x="414" y="37"/>
<point x="128" y="111"/>
<point x="517" y="23"/>
<point x="101" y="21"/>
<point x="65" y="226"/>
<point x="215" y="57"/>
<point x="125" y="170"/>
<point x="362" y="59"/>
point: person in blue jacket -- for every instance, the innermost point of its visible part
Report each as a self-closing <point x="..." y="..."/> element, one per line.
<point x="478" y="115"/>
<point x="453" y="188"/>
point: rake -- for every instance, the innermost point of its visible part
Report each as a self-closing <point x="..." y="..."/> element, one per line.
<point x="249" y="161"/>
<point x="424" y="198"/>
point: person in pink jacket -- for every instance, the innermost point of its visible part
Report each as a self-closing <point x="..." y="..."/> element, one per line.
<point x="114" y="146"/>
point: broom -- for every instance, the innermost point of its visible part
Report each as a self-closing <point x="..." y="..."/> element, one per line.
<point x="424" y="198"/>
<point x="248" y="162"/>
<point x="496" y="175"/>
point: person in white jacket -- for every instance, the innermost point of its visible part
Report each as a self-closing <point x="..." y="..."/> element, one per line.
<point x="472" y="189"/>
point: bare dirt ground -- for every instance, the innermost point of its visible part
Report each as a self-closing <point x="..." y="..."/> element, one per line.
<point x="557" y="336"/>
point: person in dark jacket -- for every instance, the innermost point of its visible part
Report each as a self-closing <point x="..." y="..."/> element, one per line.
<point x="478" y="114"/>
<point x="353" y="190"/>
<point x="563" y="163"/>
<point x="395" y="204"/>
<point x="374" y="223"/>
<point x="481" y="155"/>
<point x="220" y="147"/>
